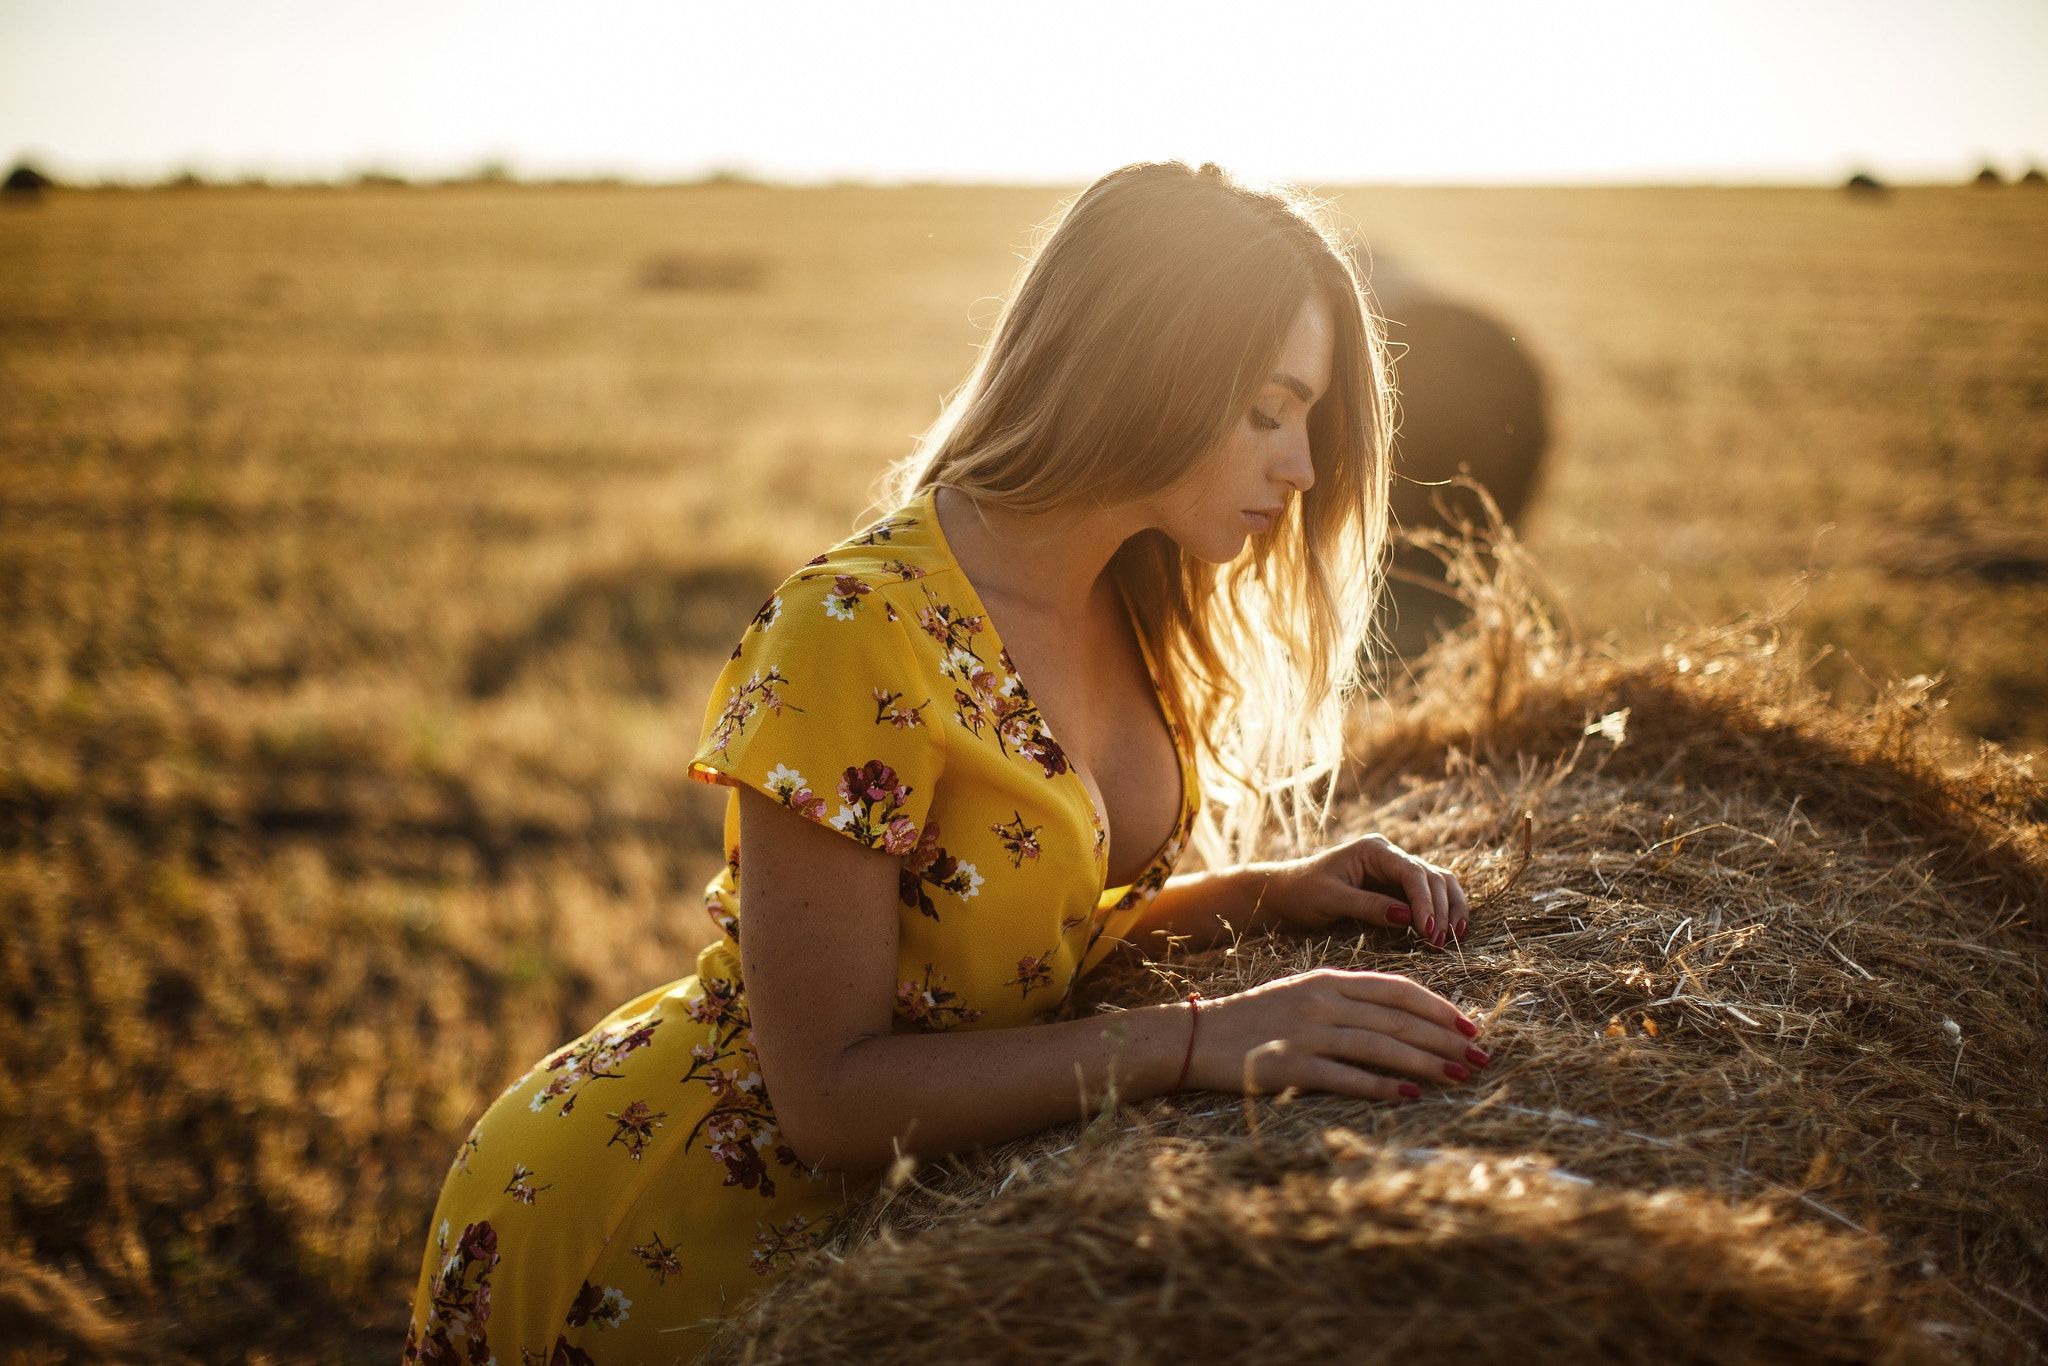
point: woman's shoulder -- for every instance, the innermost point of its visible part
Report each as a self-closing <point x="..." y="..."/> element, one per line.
<point x="891" y="568"/>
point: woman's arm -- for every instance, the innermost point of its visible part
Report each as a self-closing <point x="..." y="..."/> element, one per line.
<point x="818" y="951"/>
<point x="1194" y="906"/>
<point x="818" y="942"/>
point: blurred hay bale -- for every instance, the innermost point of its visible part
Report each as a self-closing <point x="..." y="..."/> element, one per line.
<point x="694" y="270"/>
<point x="1762" y="982"/>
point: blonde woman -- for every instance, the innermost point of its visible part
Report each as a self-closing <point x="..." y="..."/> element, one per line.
<point x="1160" y="497"/>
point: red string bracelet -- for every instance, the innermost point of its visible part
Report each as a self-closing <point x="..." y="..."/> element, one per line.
<point x="1194" y="1021"/>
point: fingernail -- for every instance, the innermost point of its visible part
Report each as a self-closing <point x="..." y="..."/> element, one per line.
<point x="1479" y="1056"/>
<point x="1456" y="1071"/>
<point x="1429" y="926"/>
<point x="1467" y="1028"/>
<point x="1411" y="1090"/>
<point x="1397" y="914"/>
<point x="1458" y="931"/>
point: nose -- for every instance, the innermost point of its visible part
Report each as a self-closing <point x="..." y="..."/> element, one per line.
<point x="1298" y="468"/>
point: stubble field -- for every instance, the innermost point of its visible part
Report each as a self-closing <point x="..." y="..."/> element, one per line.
<point x="365" y="555"/>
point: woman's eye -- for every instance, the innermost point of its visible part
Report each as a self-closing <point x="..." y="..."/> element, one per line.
<point x="1260" y="420"/>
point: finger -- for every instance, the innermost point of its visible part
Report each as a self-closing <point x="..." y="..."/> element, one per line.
<point x="1415" y="881"/>
<point x="1461" y="913"/>
<point x="1442" y="899"/>
<point x="1370" y="1048"/>
<point x="1327" y="1074"/>
<point x="1403" y="993"/>
<point x="1442" y="1042"/>
<point x="1380" y="909"/>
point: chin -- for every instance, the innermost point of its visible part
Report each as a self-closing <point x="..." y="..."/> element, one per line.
<point x="1217" y="544"/>
<point x="1221" y="550"/>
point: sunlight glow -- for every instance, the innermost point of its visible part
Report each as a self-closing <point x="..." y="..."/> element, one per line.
<point x="1609" y="90"/>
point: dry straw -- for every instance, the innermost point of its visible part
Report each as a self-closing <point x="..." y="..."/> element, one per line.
<point x="1762" y="979"/>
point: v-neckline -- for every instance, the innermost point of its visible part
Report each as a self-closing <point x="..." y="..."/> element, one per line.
<point x="927" y="502"/>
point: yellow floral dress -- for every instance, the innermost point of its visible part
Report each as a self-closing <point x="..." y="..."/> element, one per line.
<point x="631" y="1188"/>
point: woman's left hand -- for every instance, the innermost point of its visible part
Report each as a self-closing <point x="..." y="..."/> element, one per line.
<point x="1338" y="883"/>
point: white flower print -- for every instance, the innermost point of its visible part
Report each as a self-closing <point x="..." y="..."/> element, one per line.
<point x="611" y="1310"/>
<point x="838" y="608"/>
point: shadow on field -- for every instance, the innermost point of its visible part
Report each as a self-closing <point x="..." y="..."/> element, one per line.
<point x="640" y="621"/>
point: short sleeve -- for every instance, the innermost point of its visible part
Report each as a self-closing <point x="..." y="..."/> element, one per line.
<point x="822" y="707"/>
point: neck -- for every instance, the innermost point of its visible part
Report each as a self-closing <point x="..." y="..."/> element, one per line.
<point x="1049" y="564"/>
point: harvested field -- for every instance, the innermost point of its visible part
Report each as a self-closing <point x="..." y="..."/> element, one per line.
<point x="365" y="555"/>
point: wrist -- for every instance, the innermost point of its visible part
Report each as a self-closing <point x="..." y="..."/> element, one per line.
<point x="1268" y="883"/>
<point x="1165" y="1032"/>
<point x="1187" y="1057"/>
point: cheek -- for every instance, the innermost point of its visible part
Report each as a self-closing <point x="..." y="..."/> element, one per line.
<point x="1229" y="462"/>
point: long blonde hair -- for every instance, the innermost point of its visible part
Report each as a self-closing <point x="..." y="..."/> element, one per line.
<point x="1147" y="316"/>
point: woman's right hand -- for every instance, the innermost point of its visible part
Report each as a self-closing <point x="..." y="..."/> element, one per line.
<point x="1332" y="1029"/>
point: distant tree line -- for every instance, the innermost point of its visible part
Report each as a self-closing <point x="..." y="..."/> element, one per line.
<point x="28" y="181"/>
<point x="1863" y="182"/>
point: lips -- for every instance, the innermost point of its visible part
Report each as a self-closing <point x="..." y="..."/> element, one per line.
<point x="1260" y="519"/>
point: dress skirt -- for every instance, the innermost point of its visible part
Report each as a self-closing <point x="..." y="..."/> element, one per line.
<point x="624" y="1195"/>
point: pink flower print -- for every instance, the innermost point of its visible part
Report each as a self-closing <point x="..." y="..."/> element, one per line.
<point x="930" y="1005"/>
<point x="717" y="1002"/>
<point x="604" y="1306"/>
<point x="844" y="597"/>
<point x="636" y="1125"/>
<point x="882" y="531"/>
<point x="1033" y="971"/>
<point x="1019" y="839"/>
<point x="873" y="781"/>
<point x="521" y="1187"/>
<point x="795" y="792"/>
<point x="901" y="836"/>
<point x="761" y="691"/>
<point x="872" y="797"/>
<point x="788" y="1240"/>
<point x="461" y="1299"/>
<point x="888" y="712"/>
<point x="659" y="1258"/>
<point x="592" y="1058"/>
<point x="929" y="863"/>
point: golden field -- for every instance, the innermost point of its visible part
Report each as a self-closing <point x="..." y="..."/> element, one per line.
<point x="365" y="555"/>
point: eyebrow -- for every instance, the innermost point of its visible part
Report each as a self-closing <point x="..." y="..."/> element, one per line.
<point x="1301" y="391"/>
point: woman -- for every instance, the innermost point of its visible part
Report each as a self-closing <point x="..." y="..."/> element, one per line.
<point x="933" y="853"/>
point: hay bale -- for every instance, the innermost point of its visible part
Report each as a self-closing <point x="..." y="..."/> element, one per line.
<point x="1475" y="412"/>
<point x="1762" y="979"/>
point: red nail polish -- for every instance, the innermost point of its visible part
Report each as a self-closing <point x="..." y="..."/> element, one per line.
<point x="1411" y="1090"/>
<point x="1397" y="914"/>
<point x="1467" y="1028"/>
<point x="1456" y="1071"/>
<point x="1429" y="926"/>
<point x="1458" y="931"/>
<point x="1479" y="1056"/>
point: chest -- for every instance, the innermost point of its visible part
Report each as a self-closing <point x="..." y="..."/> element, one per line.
<point x="1093" y="691"/>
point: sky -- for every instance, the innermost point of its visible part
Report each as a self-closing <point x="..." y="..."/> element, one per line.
<point x="1051" y="92"/>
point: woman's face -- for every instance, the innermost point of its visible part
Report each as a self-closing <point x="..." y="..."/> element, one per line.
<point x="1262" y="462"/>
